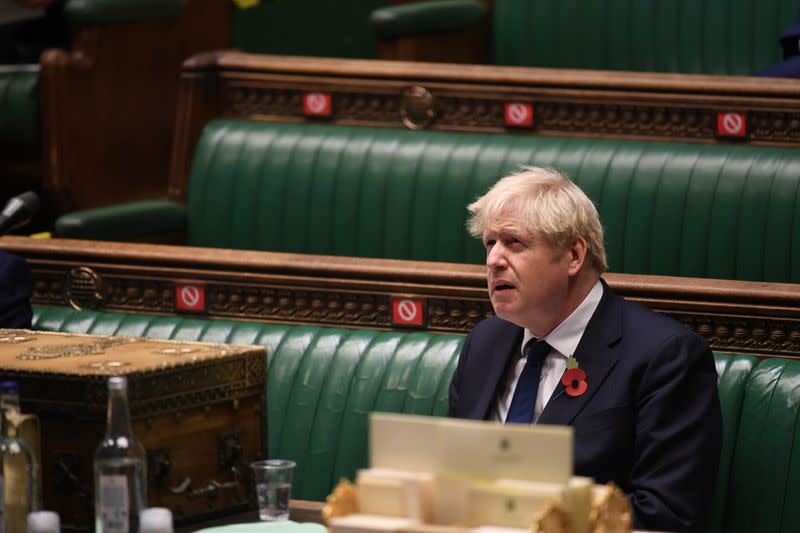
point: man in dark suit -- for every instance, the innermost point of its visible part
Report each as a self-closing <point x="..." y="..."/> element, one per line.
<point x="638" y="388"/>
<point x="16" y="287"/>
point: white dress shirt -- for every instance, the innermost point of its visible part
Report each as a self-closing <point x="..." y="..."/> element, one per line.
<point x="564" y="341"/>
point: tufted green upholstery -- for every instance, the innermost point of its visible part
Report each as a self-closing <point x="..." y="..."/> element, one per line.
<point x="765" y="476"/>
<point x="697" y="210"/>
<point x="19" y="104"/>
<point x="691" y="36"/>
<point x="322" y="381"/>
<point x="733" y="372"/>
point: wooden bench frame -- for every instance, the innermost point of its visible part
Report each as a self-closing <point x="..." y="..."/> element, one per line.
<point x="472" y="98"/>
<point x="107" y="105"/>
<point x="735" y="316"/>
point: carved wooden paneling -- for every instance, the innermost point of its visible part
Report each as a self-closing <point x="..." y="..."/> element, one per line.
<point x="473" y="98"/>
<point x="735" y="316"/>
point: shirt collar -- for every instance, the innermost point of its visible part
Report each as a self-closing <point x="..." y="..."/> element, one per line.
<point x="565" y="337"/>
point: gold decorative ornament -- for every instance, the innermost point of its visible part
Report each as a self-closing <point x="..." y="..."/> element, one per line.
<point x="342" y="501"/>
<point x="84" y="288"/>
<point x="417" y="108"/>
<point x="58" y="351"/>
<point x="8" y="336"/>
<point x="611" y="511"/>
<point x="552" y="519"/>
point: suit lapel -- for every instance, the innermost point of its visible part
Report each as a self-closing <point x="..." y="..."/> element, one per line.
<point x="501" y="352"/>
<point x="596" y="357"/>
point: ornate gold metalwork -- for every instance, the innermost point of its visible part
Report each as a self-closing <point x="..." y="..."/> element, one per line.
<point x="417" y="108"/>
<point x="552" y="519"/>
<point x="178" y="351"/>
<point x="57" y="351"/>
<point x="342" y="501"/>
<point x="84" y="288"/>
<point x="611" y="511"/>
<point x="8" y="336"/>
<point x="105" y="366"/>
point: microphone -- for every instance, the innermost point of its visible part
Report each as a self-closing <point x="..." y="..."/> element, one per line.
<point x="18" y="211"/>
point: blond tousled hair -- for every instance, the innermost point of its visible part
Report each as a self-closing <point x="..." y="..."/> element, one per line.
<point x="550" y="206"/>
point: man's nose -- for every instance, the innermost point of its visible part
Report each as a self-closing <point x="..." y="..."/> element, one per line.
<point x="496" y="257"/>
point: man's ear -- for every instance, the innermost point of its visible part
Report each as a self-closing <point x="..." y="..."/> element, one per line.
<point x="577" y="255"/>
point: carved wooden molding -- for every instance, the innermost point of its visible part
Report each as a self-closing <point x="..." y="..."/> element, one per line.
<point x="735" y="316"/>
<point x="469" y="97"/>
<point x="474" y="98"/>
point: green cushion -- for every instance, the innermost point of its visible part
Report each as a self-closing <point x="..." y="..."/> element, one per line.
<point x="19" y="104"/>
<point x="423" y="17"/>
<point x="94" y="12"/>
<point x="322" y="381"/>
<point x="765" y="476"/>
<point x="124" y="221"/>
<point x="310" y="27"/>
<point x="691" y="36"/>
<point x="718" y="211"/>
<point x="733" y="372"/>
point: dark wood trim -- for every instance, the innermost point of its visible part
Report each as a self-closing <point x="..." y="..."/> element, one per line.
<point x="108" y="105"/>
<point x="735" y="316"/>
<point x="472" y="98"/>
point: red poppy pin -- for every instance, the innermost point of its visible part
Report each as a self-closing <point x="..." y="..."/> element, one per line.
<point x="574" y="379"/>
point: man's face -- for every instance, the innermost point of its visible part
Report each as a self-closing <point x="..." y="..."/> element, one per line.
<point x="528" y="282"/>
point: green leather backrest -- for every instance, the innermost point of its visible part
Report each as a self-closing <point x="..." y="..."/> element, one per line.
<point x="19" y="104"/>
<point x="733" y="372"/>
<point x="691" y="36"/>
<point x="718" y="211"/>
<point x="307" y="27"/>
<point x="764" y="488"/>
<point x="322" y="382"/>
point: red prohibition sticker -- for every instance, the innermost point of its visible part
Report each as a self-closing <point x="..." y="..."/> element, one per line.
<point x="731" y="124"/>
<point x="190" y="298"/>
<point x="407" y="312"/>
<point x="518" y="114"/>
<point x="317" y="104"/>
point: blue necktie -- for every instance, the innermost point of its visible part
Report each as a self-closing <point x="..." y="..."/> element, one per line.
<point x="521" y="410"/>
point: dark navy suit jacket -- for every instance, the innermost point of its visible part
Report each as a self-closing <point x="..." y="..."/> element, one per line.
<point x="650" y="419"/>
<point x="16" y="287"/>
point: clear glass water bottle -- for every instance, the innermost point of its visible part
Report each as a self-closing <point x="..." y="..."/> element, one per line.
<point x="120" y="491"/>
<point x="19" y="467"/>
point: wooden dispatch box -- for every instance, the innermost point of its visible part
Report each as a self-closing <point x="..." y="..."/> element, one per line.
<point x="198" y="409"/>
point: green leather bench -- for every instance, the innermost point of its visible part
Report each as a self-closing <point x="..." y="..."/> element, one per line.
<point x="736" y="37"/>
<point x="19" y="105"/>
<point x="716" y="211"/>
<point x="323" y="382"/>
